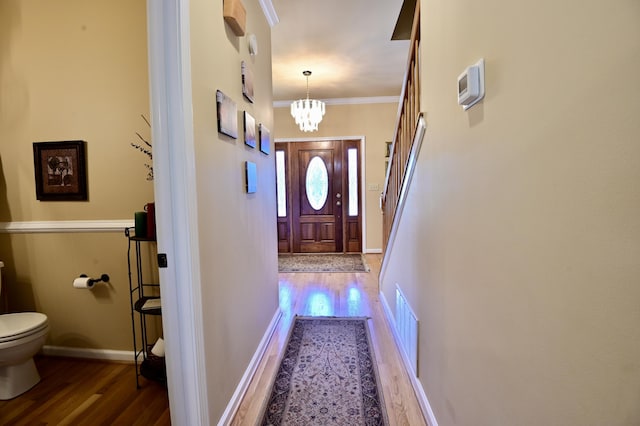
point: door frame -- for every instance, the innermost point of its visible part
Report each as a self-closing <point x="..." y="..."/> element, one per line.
<point x="363" y="171"/>
<point x="168" y="23"/>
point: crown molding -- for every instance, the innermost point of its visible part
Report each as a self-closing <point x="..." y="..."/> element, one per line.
<point x="347" y="101"/>
<point x="269" y="12"/>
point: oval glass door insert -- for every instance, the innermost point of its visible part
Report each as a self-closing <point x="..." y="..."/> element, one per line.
<point x="317" y="183"/>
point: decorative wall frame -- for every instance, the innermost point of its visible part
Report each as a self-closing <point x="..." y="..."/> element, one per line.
<point x="227" y="115"/>
<point x="247" y="82"/>
<point x="265" y="139"/>
<point x="251" y="177"/>
<point x="60" y="170"/>
<point x="249" y="130"/>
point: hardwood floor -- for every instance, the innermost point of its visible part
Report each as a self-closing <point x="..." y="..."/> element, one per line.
<point x="336" y="294"/>
<point x="81" y="392"/>
<point x="85" y="392"/>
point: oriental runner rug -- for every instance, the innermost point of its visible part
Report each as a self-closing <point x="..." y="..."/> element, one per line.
<point x="347" y="262"/>
<point x="327" y="376"/>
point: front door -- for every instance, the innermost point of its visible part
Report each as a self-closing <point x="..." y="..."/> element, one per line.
<point x="320" y="177"/>
<point x="317" y="197"/>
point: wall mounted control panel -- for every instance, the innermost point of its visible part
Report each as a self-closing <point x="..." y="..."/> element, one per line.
<point x="471" y="85"/>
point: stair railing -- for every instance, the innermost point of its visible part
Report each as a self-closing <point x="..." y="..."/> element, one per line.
<point x="408" y="125"/>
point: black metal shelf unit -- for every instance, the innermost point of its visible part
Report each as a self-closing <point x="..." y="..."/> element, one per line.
<point x="147" y="364"/>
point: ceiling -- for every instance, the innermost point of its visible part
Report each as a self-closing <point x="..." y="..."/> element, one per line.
<point x="346" y="44"/>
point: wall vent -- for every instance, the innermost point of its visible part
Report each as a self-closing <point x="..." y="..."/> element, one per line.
<point x="407" y="327"/>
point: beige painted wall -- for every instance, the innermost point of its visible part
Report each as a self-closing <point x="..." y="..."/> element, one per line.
<point x="237" y="231"/>
<point x="519" y="247"/>
<point x="73" y="70"/>
<point x="376" y="122"/>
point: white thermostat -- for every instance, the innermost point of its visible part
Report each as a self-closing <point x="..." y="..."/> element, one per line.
<point x="471" y="85"/>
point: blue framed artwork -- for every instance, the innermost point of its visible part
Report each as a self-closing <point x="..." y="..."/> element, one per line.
<point x="251" y="174"/>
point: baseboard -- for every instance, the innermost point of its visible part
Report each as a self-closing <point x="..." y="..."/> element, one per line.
<point x="373" y="251"/>
<point x="234" y="403"/>
<point x="102" y="354"/>
<point x="425" y="407"/>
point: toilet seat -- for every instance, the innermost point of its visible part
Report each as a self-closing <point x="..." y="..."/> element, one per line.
<point x="20" y="325"/>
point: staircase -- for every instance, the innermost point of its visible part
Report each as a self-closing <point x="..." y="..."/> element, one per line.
<point x="408" y="136"/>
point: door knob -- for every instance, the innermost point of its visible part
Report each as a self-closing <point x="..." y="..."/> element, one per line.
<point x="338" y="203"/>
<point x="338" y="195"/>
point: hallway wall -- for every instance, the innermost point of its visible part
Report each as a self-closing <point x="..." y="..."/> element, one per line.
<point x="236" y="230"/>
<point x="520" y="240"/>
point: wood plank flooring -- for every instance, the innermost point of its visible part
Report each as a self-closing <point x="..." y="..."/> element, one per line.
<point x="336" y="294"/>
<point x="86" y="392"/>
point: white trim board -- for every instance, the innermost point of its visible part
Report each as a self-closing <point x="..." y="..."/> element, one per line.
<point x="242" y="387"/>
<point x="347" y="101"/>
<point x="421" y="129"/>
<point x="59" y="226"/>
<point x="168" y="28"/>
<point x="425" y="407"/>
<point x="320" y="139"/>
<point x="88" y="353"/>
<point x="269" y="12"/>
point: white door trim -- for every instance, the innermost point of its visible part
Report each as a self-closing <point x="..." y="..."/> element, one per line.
<point x="176" y="208"/>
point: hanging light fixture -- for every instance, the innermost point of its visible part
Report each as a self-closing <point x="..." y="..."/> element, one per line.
<point x="307" y="112"/>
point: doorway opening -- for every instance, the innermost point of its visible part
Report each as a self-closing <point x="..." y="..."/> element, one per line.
<point x="319" y="196"/>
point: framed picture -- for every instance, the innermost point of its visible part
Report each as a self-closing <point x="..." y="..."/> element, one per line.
<point x="60" y="171"/>
<point x="249" y="130"/>
<point x="247" y="82"/>
<point x="265" y="139"/>
<point x="388" y="154"/>
<point x="251" y="174"/>
<point x="227" y="115"/>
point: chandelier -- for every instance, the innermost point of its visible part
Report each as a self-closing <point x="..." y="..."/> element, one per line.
<point x="307" y="112"/>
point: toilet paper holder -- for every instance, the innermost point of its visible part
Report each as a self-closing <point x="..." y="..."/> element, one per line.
<point x="103" y="278"/>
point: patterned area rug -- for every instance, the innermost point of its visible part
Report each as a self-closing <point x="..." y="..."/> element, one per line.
<point x="327" y="376"/>
<point x="348" y="262"/>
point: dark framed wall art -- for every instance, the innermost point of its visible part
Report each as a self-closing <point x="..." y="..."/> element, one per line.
<point x="249" y="130"/>
<point x="247" y="82"/>
<point x="265" y="139"/>
<point x="60" y="170"/>
<point x="227" y="115"/>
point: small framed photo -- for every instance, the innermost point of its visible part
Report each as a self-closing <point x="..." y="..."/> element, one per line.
<point x="249" y="130"/>
<point x="60" y="170"/>
<point x="227" y="115"/>
<point x="388" y="154"/>
<point x="247" y="82"/>
<point x="251" y="175"/>
<point x="265" y="139"/>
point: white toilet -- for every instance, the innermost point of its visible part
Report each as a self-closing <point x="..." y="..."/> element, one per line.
<point x="21" y="337"/>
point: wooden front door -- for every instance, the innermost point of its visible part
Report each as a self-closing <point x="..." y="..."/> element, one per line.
<point x="316" y="188"/>
<point x="317" y="214"/>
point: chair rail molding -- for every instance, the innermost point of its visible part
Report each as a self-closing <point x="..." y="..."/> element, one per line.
<point x="59" y="226"/>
